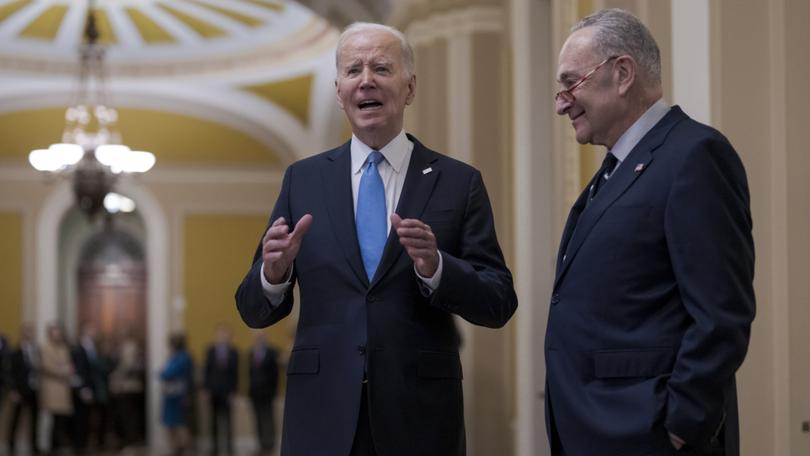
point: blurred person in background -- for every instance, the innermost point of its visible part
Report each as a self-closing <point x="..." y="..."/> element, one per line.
<point x="221" y="380"/>
<point x="263" y="361"/>
<point x="127" y="392"/>
<point x="176" y="380"/>
<point x="90" y="393"/>
<point x="24" y="383"/>
<point x="58" y="375"/>
<point x="4" y="355"/>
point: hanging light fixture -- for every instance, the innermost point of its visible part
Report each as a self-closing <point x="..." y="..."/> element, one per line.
<point x="91" y="151"/>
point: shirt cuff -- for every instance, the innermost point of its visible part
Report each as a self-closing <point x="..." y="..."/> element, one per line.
<point x="431" y="283"/>
<point x="275" y="292"/>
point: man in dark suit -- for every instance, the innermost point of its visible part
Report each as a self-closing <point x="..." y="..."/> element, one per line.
<point x="90" y="392"/>
<point x="24" y="378"/>
<point x="390" y="241"/>
<point x="5" y="359"/>
<point x="221" y="380"/>
<point x="653" y="297"/>
<point x="262" y="359"/>
<point x="5" y="351"/>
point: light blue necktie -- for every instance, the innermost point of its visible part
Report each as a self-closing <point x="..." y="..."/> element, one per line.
<point x="371" y="215"/>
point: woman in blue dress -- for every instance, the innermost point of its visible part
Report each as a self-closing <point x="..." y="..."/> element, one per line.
<point x="176" y="377"/>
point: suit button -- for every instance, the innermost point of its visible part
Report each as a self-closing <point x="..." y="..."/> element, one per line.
<point x="555" y="299"/>
<point x="361" y="349"/>
<point x="371" y="299"/>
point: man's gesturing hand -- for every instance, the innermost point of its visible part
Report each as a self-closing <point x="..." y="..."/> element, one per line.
<point x="419" y="242"/>
<point x="280" y="247"/>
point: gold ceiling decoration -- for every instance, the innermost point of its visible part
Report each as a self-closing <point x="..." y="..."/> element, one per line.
<point x="154" y="21"/>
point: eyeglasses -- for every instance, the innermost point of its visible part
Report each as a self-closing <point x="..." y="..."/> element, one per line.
<point x="567" y="95"/>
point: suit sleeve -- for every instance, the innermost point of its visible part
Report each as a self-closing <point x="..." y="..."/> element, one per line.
<point x="476" y="284"/>
<point x="708" y="232"/>
<point x="254" y="307"/>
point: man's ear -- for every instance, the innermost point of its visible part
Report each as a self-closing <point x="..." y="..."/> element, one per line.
<point x="337" y="94"/>
<point x="411" y="90"/>
<point x="626" y="73"/>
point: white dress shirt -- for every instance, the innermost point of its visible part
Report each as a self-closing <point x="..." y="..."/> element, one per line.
<point x="393" y="171"/>
<point x="631" y="137"/>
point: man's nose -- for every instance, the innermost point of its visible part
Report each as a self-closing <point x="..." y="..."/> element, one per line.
<point x="367" y="78"/>
<point x="561" y="106"/>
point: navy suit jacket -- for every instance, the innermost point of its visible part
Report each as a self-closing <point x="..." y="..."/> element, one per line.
<point x="406" y="340"/>
<point x="221" y="381"/>
<point x="653" y="301"/>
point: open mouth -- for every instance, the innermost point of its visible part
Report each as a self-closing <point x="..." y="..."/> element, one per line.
<point x="369" y="104"/>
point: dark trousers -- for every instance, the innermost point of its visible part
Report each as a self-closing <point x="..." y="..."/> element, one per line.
<point x="30" y="403"/>
<point x="221" y="416"/>
<point x="128" y="416"/>
<point x="62" y="434"/>
<point x="265" y="422"/>
<point x="363" y="443"/>
<point x="81" y="423"/>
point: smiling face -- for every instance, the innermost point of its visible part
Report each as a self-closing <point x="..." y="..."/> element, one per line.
<point x="597" y="107"/>
<point x="373" y="85"/>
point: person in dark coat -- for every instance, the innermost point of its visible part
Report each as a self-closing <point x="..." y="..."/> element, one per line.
<point x="652" y="303"/>
<point x="387" y="242"/>
<point x="221" y="378"/>
<point x="263" y="362"/>
<point x="4" y="354"/>
<point x="91" y="391"/>
<point x="24" y="382"/>
<point x="5" y="382"/>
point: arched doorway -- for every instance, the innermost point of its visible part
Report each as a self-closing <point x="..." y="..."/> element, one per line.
<point x="112" y="284"/>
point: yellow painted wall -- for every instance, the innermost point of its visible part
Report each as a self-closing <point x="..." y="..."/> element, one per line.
<point x="175" y="139"/>
<point x="10" y="274"/>
<point x="217" y="250"/>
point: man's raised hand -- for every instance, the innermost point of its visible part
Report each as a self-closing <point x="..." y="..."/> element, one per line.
<point x="420" y="243"/>
<point x="280" y="247"/>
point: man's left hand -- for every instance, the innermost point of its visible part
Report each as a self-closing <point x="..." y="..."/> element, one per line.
<point x="419" y="242"/>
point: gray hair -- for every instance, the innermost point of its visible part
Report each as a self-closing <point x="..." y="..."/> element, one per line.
<point x="620" y="33"/>
<point x="359" y="27"/>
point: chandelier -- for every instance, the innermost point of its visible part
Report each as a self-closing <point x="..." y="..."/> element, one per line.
<point x="91" y="152"/>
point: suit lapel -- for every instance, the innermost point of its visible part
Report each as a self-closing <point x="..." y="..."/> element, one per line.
<point x="415" y="194"/>
<point x="570" y="225"/>
<point x="625" y="175"/>
<point x="337" y="192"/>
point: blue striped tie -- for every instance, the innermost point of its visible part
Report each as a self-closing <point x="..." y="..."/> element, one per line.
<point x="370" y="218"/>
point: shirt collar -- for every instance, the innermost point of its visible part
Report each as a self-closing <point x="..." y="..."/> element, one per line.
<point x="640" y="127"/>
<point x="394" y="152"/>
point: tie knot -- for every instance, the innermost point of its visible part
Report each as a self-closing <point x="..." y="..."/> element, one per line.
<point x="609" y="162"/>
<point x="375" y="157"/>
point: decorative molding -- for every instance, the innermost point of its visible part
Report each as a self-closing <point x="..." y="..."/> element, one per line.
<point x="217" y="176"/>
<point x="477" y="18"/>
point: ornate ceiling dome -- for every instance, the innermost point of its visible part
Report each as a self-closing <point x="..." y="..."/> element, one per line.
<point x="161" y="37"/>
<point x="242" y="82"/>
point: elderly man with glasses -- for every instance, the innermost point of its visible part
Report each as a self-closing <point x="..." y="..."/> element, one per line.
<point x="653" y="299"/>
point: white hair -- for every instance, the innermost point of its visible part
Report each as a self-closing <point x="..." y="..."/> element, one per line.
<point x="359" y="27"/>
<point x="620" y="33"/>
